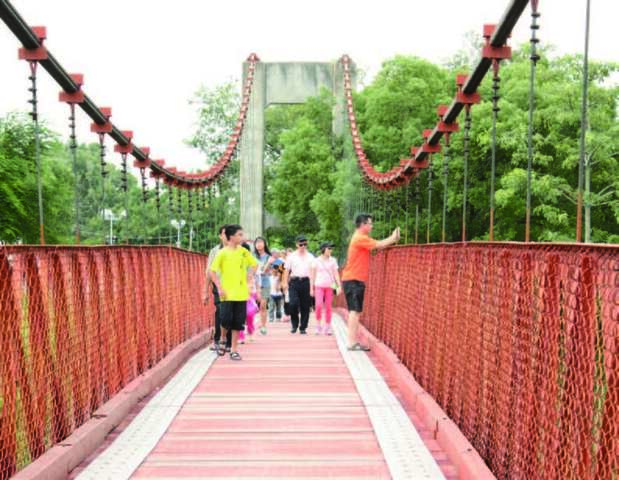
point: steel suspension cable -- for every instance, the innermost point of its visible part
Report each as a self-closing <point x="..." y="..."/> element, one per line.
<point x="125" y="189"/>
<point x="583" y="127"/>
<point x="445" y="184"/>
<point x="76" y="182"/>
<point x="405" y="202"/>
<point x="37" y="146"/>
<point x="104" y="172"/>
<point x="170" y="209"/>
<point x="144" y="200"/>
<point x="465" y="148"/>
<point x="428" y="226"/>
<point x="158" y="204"/>
<point x="190" y="210"/>
<point x="495" y="111"/>
<point x="417" y="200"/>
<point x="534" y="57"/>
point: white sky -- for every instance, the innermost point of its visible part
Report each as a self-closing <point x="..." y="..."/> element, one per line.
<point x="145" y="58"/>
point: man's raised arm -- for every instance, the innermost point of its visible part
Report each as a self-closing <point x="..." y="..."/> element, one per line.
<point x="390" y="240"/>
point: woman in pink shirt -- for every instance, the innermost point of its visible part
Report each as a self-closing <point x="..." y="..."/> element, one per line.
<point x="326" y="278"/>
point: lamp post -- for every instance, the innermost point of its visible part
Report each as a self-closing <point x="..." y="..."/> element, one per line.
<point x="178" y="224"/>
<point x="112" y="217"/>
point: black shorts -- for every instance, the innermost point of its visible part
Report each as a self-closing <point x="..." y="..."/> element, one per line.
<point x="233" y="314"/>
<point x="354" y="291"/>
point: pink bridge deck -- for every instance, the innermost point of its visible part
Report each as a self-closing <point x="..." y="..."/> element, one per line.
<point x="289" y="409"/>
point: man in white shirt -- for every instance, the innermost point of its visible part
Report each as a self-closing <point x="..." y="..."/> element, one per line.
<point x="298" y="284"/>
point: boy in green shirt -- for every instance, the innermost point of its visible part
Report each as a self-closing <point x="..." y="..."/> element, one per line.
<point x="235" y="266"/>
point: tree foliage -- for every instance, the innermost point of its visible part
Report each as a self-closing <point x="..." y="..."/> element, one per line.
<point x="312" y="183"/>
<point x="394" y="109"/>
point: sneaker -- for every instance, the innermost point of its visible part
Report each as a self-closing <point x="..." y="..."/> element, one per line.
<point x="328" y="330"/>
<point x="294" y="330"/>
<point x="303" y="332"/>
<point x="263" y="330"/>
<point x="319" y="330"/>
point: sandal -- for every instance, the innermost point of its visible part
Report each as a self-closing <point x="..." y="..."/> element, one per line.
<point x="235" y="356"/>
<point x="357" y="347"/>
<point x="221" y="351"/>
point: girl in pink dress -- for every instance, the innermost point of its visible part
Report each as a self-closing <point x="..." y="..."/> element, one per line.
<point x="326" y="279"/>
<point x="252" y="309"/>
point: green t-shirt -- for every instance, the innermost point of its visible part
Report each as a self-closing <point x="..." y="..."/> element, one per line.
<point x="231" y="265"/>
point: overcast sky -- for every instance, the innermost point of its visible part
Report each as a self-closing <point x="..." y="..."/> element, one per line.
<point x="145" y="58"/>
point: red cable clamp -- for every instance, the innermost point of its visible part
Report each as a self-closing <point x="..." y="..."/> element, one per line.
<point x="78" y="95"/>
<point x="443" y="127"/>
<point x="426" y="147"/>
<point x="416" y="163"/>
<point x="107" y="126"/>
<point x="118" y="148"/>
<point x="155" y="173"/>
<point x="143" y="163"/>
<point x="35" y="54"/>
<point x="466" y="98"/>
<point x="495" y="53"/>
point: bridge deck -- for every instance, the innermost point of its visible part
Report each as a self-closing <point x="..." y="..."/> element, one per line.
<point x="295" y="407"/>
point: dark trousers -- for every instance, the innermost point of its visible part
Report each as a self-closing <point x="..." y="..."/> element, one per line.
<point x="276" y="307"/>
<point x="217" y="336"/>
<point x="299" y="293"/>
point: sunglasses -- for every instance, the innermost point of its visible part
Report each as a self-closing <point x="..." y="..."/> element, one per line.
<point x="302" y="244"/>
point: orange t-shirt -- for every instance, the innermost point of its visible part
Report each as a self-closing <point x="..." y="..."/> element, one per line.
<point x="358" y="262"/>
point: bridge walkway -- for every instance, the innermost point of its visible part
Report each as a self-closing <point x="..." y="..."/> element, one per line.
<point x="294" y="407"/>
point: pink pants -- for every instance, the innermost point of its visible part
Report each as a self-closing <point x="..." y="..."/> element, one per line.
<point x="252" y="309"/>
<point x="323" y="294"/>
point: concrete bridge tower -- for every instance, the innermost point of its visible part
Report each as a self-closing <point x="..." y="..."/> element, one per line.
<point x="280" y="83"/>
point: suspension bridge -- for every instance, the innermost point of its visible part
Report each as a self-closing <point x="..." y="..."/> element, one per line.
<point x="489" y="359"/>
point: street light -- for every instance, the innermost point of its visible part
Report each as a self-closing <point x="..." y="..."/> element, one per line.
<point x="109" y="215"/>
<point x="178" y="224"/>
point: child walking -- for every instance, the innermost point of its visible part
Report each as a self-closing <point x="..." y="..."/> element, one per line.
<point x="326" y="279"/>
<point x="276" y="291"/>
<point x="252" y="306"/>
<point x="232" y="268"/>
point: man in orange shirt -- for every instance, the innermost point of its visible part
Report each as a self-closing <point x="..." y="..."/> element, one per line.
<point x="357" y="271"/>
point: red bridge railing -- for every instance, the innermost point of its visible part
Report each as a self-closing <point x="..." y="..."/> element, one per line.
<point x="519" y="344"/>
<point x="77" y="325"/>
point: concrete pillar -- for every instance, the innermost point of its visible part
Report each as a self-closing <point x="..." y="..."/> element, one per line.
<point x="251" y="158"/>
<point x="281" y="83"/>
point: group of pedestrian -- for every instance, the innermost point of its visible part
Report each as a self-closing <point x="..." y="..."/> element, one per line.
<point x="246" y="282"/>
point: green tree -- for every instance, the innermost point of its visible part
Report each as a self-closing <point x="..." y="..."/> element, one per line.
<point x="19" y="220"/>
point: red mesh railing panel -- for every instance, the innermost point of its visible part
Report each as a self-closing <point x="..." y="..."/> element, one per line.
<point x="77" y="324"/>
<point x="519" y="344"/>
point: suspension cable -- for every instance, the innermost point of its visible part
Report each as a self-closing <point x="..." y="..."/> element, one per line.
<point x="465" y="148"/>
<point x="76" y="182"/>
<point x="417" y="200"/>
<point x="158" y="204"/>
<point x="37" y="146"/>
<point x="445" y="184"/>
<point x="534" y="59"/>
<point x="428" y="226"/>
